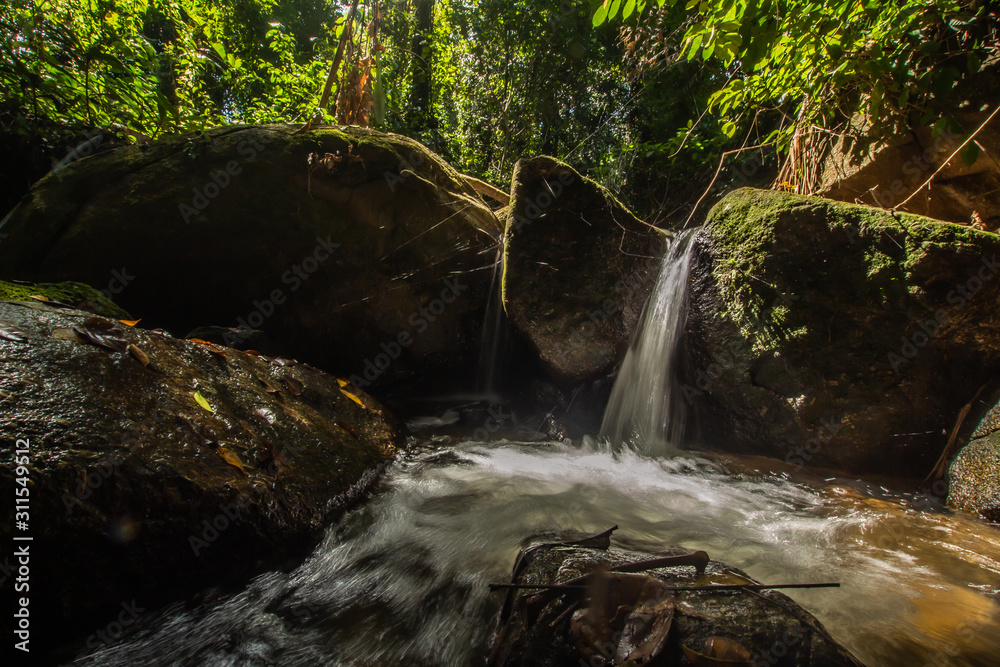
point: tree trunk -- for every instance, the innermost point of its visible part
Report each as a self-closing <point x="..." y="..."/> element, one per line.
<point x="420" y="114"/>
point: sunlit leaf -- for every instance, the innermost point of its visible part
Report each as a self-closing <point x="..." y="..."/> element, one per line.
<point x="203" y="402"/>
<point x="353" y="397"/>
<point x="231" y="458"/>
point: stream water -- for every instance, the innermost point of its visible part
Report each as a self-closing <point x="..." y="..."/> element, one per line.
<point x="403" y="579"/>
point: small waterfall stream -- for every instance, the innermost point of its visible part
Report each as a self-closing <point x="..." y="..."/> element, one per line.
<point x="645" y="411"/>
<point x="494" y="346"/>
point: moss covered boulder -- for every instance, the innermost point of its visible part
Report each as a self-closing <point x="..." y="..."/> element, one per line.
<point x="974" y="475"/>
<point x="77" y="295"/>
<point x="156" y="466"/>
<point x="837" y="335"/>
<point x="578" y="267"/>
<point x="337" y="243"/>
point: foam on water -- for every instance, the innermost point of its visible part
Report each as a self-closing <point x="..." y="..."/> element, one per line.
<point x="403" y="580"/>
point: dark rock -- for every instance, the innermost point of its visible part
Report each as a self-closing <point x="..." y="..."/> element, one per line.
<point x="578" y="267"/>
<point x="570" y="629"/>
<point x="140" y="494"/>
<point x="837" y="335"/>
<point x="974" y="475"/>
<point x="336" y="242"/>
<point x="240" y="339"/>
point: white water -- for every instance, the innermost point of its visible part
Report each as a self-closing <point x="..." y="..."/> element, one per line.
<point x="403" y="580"/>
<point x="646" y="410"/>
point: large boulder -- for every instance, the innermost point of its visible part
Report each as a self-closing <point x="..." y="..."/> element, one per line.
<point x="578" y="267"/>
<point x="353" y="249"/>
<point x="619" y="612"/>
<point x="974" y="475"/>
<point x="165" y="467"/>
<point x="837" y="335"/>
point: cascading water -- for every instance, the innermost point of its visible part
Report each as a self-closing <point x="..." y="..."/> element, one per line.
<point x="645" y="410"/>
<point x="494" y="346"/>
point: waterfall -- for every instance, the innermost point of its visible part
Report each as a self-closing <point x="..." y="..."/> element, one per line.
<point x="494" y="346"/>
<point x="646" y="411"/>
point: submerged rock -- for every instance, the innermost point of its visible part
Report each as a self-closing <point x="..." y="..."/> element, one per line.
<point x="168" y="466"/>
<point x="837" y="335"/>
<point x="353" y="249"/>
<point x="578" y="267"/>
<point x="974" y="475"/>
<point x="631" y="618"/>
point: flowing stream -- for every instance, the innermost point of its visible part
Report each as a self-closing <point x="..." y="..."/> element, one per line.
<point x="402" y="581"/>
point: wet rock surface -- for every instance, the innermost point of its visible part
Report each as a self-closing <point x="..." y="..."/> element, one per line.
<point x="974" y="475"/>
<point x="165" y="466"/>
<point x="633" y="619"/>
<point x="578" y="268"/>
<point x="837" y="335"/>
<point x="335" y="242"/>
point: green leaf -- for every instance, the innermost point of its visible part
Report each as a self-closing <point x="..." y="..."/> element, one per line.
<point x="615" y="4"/>
<point x="200" y="400"/>
<point x="970" y="153"/>
<point x="601" y="15"/>
<point x="729" y="129"/>
<point x="628" y="9"/>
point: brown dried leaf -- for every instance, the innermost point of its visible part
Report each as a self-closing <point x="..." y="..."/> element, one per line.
<point x="720" y="652"/>
<point x="211" y="347"/>
<point x="268" y="387"/>
<point x="102" y="333"/>
<point x="350" y="429"/>
<point x="231" y="458"/>
<point x="139" y="354"/>
<point x="294" y="386"/>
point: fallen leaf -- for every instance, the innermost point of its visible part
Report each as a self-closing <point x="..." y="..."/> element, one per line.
<point x="200" y="400"/>
<point x="294" y="386"/>
<point x="353" y="398"/>
<point x="268" y="387"/>
<point x="212" y="347"/>
<point x="231" y="458"/>
<point x="131" y="323"/>
<point x="67" y="334"/>
<point x="266" y="415"/>
<point x="39" y="297"/>
<point x="252" y="353"/>
<point x="342" y="383"/>
<point x="350" y="429"/>
<point x="102" y="333"/>
<point x="720" y="652"/>
<point x="281" y="361"/>
<point x="10" y="332"/>
<point x="139" y="354"/>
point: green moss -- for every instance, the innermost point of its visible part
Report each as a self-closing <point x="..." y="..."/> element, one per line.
<point x="69" y="293"/>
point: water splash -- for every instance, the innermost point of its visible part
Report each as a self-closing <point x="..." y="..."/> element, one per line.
<point x="645" y="411"/>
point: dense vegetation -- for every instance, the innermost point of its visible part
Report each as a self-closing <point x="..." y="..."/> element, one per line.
<point x="643" y="95"/>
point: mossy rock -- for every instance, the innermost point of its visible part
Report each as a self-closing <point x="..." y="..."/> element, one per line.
<point x="148" y="482"/>
<point x="974" y="475"/>
<point x="77" y="295"/>
<point x="837" y="335"/>
<point x="334" y="241"/>
<point x="578" y="267"/>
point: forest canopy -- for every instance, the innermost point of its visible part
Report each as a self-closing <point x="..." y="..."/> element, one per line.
<point x="641" y="95"/>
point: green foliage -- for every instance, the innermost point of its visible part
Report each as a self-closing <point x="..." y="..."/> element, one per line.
<point x="157" y="66"/>
<point x="893" y="61"/>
